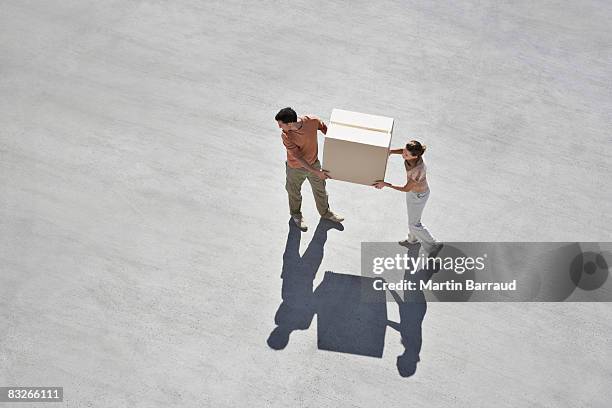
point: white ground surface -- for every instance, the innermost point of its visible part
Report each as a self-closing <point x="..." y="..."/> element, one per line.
<point x="143" y="215"/>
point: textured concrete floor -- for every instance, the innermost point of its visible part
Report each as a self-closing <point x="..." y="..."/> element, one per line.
<point x="143" y="215"/>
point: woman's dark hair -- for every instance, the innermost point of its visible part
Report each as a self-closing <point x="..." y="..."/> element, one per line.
<point x="286" y="115"/>
<point x="416" y="148"/>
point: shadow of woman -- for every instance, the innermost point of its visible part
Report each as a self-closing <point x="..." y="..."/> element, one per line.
<point x="298" y="306"/>
<point x="412" y="309"/>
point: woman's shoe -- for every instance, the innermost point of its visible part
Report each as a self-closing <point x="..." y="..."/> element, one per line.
<point x="410" y="240"/>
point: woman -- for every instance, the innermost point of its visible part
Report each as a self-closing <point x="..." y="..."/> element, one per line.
<point x="417" y="193"/>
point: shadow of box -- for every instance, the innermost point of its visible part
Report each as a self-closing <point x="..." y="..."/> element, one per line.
<point x="351" y="315"/>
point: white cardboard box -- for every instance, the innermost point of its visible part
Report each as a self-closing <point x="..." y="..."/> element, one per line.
<point x="356" y="146"/>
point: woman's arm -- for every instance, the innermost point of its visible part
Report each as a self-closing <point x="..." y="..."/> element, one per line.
<point x="405" y="188"/>
<point x="409" y="185"/>
<point x="395" y="151"/>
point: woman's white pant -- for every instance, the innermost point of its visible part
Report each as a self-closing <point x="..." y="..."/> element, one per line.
<point x="415" y="203"/>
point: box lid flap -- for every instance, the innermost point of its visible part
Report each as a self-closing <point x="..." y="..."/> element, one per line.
<point x="362" y="120"/>
<point x="359" y="135"/>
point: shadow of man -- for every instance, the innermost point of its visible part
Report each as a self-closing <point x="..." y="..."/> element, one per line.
<point x="412" y="309"/>
<point x="298" y="306"/>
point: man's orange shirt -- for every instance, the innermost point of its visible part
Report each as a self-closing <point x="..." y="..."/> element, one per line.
<point x="303" y="142"/>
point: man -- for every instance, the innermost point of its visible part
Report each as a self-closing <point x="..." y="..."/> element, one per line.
<point x="300" y="139"/>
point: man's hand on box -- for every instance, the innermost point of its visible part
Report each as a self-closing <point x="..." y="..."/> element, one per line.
<point x="322" y="174"/>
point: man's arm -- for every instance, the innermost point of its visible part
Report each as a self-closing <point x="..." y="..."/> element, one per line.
<point x="293" y="150"/>
<point x="322" y="127"/>
<point x="319" y="173"/>
<point x="320" y="124"/>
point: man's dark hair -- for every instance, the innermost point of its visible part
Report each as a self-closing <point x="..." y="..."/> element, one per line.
<point x="286" y="115"/>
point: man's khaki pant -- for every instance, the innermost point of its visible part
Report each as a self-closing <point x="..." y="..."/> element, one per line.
<point x="295" y="179"/>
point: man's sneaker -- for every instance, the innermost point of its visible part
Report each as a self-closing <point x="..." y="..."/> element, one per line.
<point x="300" y="223"/>
<point x="333" y="217"/>
<point x="410" y="240"/>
